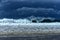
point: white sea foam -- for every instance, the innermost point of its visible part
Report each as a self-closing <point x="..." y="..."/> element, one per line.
<point x="25" y="20"/>
<point x="18" y="28"/>
<point x="5" y="20"/>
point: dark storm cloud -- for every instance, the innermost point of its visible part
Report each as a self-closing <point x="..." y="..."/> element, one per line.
<point x="25" y="8"/>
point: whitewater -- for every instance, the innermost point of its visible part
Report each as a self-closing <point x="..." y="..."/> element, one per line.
<point x="7" y="29"/>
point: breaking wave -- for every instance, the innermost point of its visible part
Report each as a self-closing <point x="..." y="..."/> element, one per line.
<point x="31" y="19"/>
<point x="5" y="20"/>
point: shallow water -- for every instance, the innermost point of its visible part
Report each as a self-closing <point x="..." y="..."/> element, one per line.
<point x="46" y="37"/>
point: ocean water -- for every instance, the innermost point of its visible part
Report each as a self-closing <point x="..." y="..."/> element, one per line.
<point x="29" y="31"/>
<point x="21" y="9"/>
<point x="15" y="19"/>
<point x="46" y="37"/>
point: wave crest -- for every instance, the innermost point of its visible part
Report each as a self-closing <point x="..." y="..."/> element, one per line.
<point x="31" y="19"/>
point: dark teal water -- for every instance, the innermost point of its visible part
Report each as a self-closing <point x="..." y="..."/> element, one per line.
<point x="22" y="9"/>
<point x="46" y="37"/>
